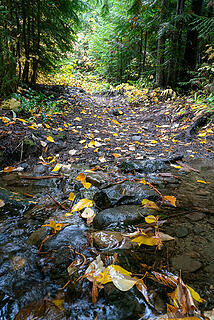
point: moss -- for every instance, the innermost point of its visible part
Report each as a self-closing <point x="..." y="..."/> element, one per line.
<point x="29" y="142"/>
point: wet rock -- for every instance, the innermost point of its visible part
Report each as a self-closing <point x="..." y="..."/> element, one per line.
<point x="211" y="220"/>
<point x="41" y="310"/>
<point x="97" y="178"/>
<point x="39" y="170"/>
<point x="136" y="138"/>
<point x="185" y="263"/>
<point x="111" y="239"/>
<point x="123" y="214"/>
<point x="209" y="268"/>
<point x="195" y="216"/>
<point x="126" y="301"/>
<point x="181" y="231"/>
<point x="101" y="199"/>
<point x="14" y="203"/>
<point x="63" y="257"/>
<point x="144" y="166"/>
<point x="70" y="235"/>
<point x="125" y="193"/>
<point x="37" y="237"/>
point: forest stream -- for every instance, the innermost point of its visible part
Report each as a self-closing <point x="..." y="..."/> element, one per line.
<point x="32" y="279"/>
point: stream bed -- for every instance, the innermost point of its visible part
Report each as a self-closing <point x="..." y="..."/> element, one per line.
<point x="33" y="278"/>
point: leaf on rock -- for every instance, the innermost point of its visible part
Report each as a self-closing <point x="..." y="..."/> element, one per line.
<point x="57" y="167"/>
<point x="88" y="214"/>
<point x="81" y="204"/>
<point x="195" y="295"/>
<point x="56" y="226"/>
<point x="82" y="177"/>
<point x="147" y="240"/>
<point x="170" y="199"/>
<point x="71" y="196"/>
<point x="149" y="204"/>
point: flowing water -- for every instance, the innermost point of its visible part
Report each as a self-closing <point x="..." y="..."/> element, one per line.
<point x="27" y="277"/>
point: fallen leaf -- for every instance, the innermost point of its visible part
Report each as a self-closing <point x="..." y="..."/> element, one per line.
<point x="151" y="219"/>
<point x="147" y="240"/>
<point x="57" y="167"/>
<point x="102" y="159"/>
<point x="140" y="285"/>
<point x="56" y="226"/>
<point x="9" y="169"/>
<point x="71" y="196"/>
<point x="50" y="139"/>
<point x="18" y="262"/>
<point x="1" y="203"/>
<point x="82" y="177"/>
<point x="72" y="152"/>
<point x="170" y="199"/>
<point x="81" y="204"/>
<point x="116" y="155"/>
<point x="202" y="181"/>
<point x="121" y="278"/>
<point x="149" y="204"/>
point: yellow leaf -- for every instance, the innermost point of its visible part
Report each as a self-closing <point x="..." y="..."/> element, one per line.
<point x="102" y="159"/>
<point x="104" y="277"/>
<point x="153" y="141"/>
<point x="47" y="126"/>
<point x="9" y="169"/>
<point x="22" y="120"/>
<point x="203" y="141"/>
<point x="60" y="129"/>
<point x="82" y="177"/>
<point x="121" y="278"/>
<point x="202" y="181"/>
<point x="195" y="295"/>
<point x="82" y="141"/>
<point x="175" y="166"/>
<point x="143" y="181"/>
<point x="81" y="204"/>
<point x="71" y="196"/>
<point x="116" y="155"/>
<point x="115" y="134"/>
<point x="50" y="139"/>
<point x="77" y="119"/>
<point x="209" y="131"/>
<point x="116" y="122"/>
<point x="56" y="226"/>
<point x="170" y="199"/>
<point x="202" y="134"/>
<point x="57" y="167"/>
<point x="151" y="219"/>
<point x="149" y="204"/>
<point x="58" y="303"/>
<point x="91" y="144"/>
<point x="147" y="240"/>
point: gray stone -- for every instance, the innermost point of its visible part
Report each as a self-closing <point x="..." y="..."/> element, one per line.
<point x="181" y="232"/>
<point x="185" y="263"/>
<point x="124" y="193"/>
<point x="97" y="178"/>
<point x="123" y="214"/>
<point x="40" y="169"/>
<point x="136" y="138"/>
<point x="195" y="216"/>
<point x="144" y="166"/>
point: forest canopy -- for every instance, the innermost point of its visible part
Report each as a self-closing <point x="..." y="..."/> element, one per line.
<point x="163" y="41"/>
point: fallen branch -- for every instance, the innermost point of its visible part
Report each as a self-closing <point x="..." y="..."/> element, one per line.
<point x="40" y="177"/>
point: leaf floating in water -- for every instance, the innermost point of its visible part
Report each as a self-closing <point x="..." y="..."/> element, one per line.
<point x="147" y="240"/>
<point x="18" y="262"/>
<point x="121" y="278"/>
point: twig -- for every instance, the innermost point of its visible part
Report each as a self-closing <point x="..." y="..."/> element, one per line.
<point x="40" y="177"/>
<point x="59" y="204"/>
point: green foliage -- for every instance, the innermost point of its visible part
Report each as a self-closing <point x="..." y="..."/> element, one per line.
<point x="35" y="102"/>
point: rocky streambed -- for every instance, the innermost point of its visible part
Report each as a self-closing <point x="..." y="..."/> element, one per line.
<point x="42" y="272"/>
